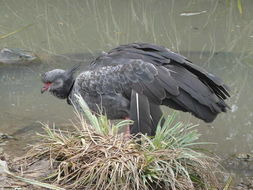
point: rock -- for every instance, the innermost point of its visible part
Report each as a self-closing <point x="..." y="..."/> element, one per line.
<point x="245" y="184"/>
<point x="39" y="169"/>
<point x="4" y="137"/>
<point x="3" y="167"/>
<point x="240" y="161"/>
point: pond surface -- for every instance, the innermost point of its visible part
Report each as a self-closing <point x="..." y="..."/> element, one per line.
<point x="213" y="34"/>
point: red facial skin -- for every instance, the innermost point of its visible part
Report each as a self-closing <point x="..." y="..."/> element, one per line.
<point x="46" y="87"/>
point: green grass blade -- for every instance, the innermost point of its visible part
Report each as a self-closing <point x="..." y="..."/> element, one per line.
<point x="239" y="5"/>
<point x="15" y="31"/>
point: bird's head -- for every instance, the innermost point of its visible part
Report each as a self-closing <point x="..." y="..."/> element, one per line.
<point x="58" y="82"/>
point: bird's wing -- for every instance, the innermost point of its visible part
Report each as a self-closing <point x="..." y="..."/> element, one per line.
<point x="143" y="77"/>
<point x="161" y="56"/>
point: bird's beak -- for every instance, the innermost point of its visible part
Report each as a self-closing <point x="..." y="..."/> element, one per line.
<point x="45" y="87"/>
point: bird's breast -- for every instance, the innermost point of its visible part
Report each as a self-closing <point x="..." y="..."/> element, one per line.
<point x="115" y="106"/>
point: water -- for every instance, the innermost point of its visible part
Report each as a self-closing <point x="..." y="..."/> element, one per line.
<point x="217" y="38"/>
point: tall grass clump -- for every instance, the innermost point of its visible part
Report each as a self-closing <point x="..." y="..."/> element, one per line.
<point x="96" y="156"/>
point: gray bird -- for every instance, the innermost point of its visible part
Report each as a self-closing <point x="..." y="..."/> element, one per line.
<point x="132" y="81"/>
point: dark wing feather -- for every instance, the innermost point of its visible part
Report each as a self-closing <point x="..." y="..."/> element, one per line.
<point x="191" y="105"/>
<point x="156" y="117"/>
<point x="140" y="114"/>
<point x="195" y="88"/>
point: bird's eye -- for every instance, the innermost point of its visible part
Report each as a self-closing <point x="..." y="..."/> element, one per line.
<point x="58" y="82"/>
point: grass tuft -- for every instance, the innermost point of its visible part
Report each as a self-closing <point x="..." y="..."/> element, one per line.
<point x="96" y="156"/>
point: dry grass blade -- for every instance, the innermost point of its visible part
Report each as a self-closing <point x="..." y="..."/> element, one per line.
<point x="228" y="183"/>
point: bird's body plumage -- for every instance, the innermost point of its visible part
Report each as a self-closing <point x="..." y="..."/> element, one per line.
<point x="133" y="80"/>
